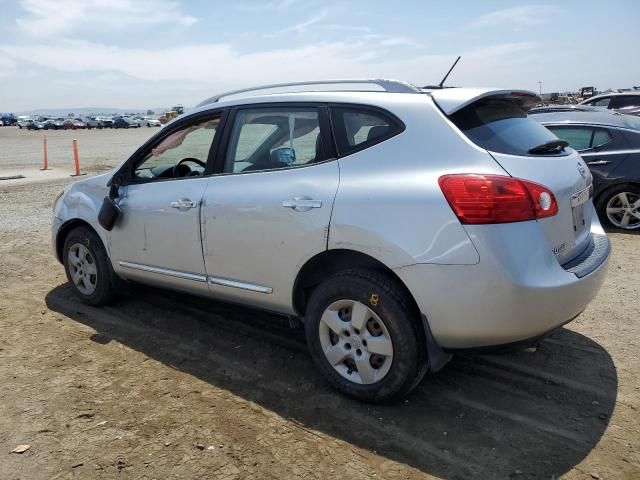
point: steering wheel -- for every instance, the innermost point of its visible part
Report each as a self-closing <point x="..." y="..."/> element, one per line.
<point x="177" y="170"/>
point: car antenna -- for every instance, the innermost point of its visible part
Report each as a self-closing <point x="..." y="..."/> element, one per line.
<point x="441" y="84"/>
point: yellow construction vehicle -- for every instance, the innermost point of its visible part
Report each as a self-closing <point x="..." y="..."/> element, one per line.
<point x="171" y="114"/>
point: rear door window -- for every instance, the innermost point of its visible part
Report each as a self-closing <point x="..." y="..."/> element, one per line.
<point x="357" y="128"/>
<point x="582" y="138"/>
<point x="600" y="137"/>
<point x="579" y="138"/>
<point x="501" y="125"/>
<point x="602" y="102"/>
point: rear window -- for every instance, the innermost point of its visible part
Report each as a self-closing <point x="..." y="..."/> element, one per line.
<point x="501" y="125"/>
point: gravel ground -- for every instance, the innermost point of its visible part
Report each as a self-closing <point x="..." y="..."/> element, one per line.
<point x="165" y="385"/>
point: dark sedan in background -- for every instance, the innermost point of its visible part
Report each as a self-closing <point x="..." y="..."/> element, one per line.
<point x="125" y="122"/>
<point x="609" y="143"/>
<point x="53" y="124"/>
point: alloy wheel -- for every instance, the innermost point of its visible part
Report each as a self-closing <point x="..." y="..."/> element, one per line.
<point x="623" y="210"/>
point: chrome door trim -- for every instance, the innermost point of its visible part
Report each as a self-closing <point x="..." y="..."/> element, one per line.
<point x="227" y="282"/>
<point x="610" y="152"/>
<point x="164" y="271"/>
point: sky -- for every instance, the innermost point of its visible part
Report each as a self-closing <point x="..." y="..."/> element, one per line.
<point x="158" y="53"/>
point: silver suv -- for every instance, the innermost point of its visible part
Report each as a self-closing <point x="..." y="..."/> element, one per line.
<point x="399" y="224"/>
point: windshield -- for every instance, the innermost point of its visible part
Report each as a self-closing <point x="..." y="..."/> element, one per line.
<point x="501" y="125"/>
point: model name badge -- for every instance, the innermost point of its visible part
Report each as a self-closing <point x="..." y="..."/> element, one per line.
<point x="557" y="250"/>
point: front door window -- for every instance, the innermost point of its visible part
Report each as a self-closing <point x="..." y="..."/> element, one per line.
<point x="183" y="153"/>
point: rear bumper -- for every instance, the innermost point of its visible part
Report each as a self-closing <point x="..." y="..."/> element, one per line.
<point x="517" y="292"/>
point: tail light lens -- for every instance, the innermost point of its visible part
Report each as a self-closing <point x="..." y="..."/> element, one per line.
<point x="477" y="199"/>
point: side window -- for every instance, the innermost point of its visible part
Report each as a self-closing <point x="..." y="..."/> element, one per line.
<point x="600" y="137"/>
<point x="271" y="138"/>
<point x="182" y="153"/>
<point x="603" y="102"/>
<point x="357" y="128"/>
<point x="622" y="101"/>
<point x="579" y="138"/>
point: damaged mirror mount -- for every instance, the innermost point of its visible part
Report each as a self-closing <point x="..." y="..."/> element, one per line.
<point x="110" y="210"/>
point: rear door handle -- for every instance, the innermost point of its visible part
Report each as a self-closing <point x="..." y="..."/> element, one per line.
<point x="302" y="204"/>
<point x="599" y="162"/>
<point x="183" y="203"/>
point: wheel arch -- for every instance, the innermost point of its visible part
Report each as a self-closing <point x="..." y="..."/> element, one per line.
<point x="613" y="186"/>
<point x="64" y="231"/>
<point x="329" y="262"/>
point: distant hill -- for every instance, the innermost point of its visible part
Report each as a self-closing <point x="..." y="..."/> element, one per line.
<point x="85" y="111"/>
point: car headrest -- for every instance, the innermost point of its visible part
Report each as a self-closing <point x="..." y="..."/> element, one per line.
<point x="378" y="131"/>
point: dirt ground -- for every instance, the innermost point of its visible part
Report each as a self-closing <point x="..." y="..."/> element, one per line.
<point x="163" y="385"/>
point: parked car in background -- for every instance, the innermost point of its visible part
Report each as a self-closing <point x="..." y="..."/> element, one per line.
<point x="623" y="102"/>
<point x="609" y="143"/>
<point x="93" y="122"/>
<point x="153" y="122"/>
<point x="107" y="122"/>
<point x="74" y="124"/>
<point x="564" y="108"/>
<point x="54" y="124"/>
<point x="400" y="225"/>
<point x="7" y="119"/>
<point x="34" y="125"/>
<point x="23" y="122"/>
<point x="125" y="122"/>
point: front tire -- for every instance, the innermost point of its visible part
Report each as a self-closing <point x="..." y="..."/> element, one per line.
<point x="619" y="207"/>
<point x="88" y="267"/>
<point x="365" y="336"/>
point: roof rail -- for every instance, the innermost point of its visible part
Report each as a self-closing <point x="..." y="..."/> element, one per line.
<point x="391" y="86"/>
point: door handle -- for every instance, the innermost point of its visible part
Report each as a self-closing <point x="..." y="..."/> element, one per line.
<point x="302" y="204"/>
<point x="599" y="162"/>
<point x="183" y="203"/>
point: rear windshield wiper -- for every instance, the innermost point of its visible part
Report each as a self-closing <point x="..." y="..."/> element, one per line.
<point x="550" y="147"/>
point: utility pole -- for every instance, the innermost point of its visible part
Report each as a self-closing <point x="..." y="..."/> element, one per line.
<point x="540" y="84"/>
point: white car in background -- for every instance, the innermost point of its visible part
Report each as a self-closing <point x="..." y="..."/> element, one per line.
<point x="153" y="122"/>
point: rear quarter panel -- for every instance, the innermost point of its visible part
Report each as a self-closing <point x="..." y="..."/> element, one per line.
<point x="389" y="204"/>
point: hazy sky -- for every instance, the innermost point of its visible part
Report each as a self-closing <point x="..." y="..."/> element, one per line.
<point x="156" y="53"/>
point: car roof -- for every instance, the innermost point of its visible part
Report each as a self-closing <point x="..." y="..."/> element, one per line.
<point x="598" y="117"/>
<point x="611" y="94"/>
<point x="379" y="92"/>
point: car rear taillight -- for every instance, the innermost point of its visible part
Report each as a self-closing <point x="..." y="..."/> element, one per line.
<point x="477" y="199"/>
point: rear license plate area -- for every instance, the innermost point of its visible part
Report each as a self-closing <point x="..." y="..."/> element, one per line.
<point x="578" y="201"/>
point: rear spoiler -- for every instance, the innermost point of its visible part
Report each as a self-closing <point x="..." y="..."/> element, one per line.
<point x="450" y="100"/>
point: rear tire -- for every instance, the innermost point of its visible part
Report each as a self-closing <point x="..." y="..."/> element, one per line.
<point x="88" y="267"/>
<point x="365" y="336"/>
<point x="619" y="207"/>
